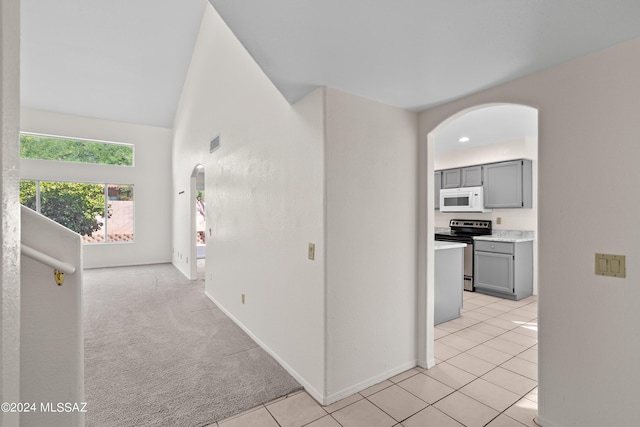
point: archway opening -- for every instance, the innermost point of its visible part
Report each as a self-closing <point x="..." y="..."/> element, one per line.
<point x="479" y="135"/>
<point x="198" y="223"/>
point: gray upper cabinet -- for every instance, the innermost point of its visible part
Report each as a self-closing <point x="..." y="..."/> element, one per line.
<point x="451" y="178"/>
<point x="436" y="188"/>
<point x="472" y="176"/>
<point x="508" y="184"/>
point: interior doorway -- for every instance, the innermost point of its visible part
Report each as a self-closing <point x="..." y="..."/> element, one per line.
<point x="512" y="140"/>
<point x="198" y="223"/>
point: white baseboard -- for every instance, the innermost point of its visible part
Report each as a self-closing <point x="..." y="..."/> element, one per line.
<point x="179" y="266"/>
<point x="129" y="264"/>
<point x="334" y="397"/>
<point x="427" y="364"/>
<point x="319" y="397"/>
<point x="308" y="388"/>
<point x="542" y="422"/>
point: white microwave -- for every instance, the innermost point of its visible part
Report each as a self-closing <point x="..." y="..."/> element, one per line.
<point x="463" y="199"/>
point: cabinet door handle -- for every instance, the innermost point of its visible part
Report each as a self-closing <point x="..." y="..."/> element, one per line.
<point x="493" y="247"/>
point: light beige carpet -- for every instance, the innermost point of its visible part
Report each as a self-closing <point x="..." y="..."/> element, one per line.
<point x="160" y="353"/>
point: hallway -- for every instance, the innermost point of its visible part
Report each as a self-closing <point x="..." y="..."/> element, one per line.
<point x="486" y="375"/>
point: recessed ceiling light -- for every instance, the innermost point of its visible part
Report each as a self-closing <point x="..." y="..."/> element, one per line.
<point x="464" y="139"/>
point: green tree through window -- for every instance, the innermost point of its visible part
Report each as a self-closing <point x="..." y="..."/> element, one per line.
<point x="77" y="206"/>
<point x="80" y="206"/>
<point x="28" y="194"/>
<point x="73" y="150"/>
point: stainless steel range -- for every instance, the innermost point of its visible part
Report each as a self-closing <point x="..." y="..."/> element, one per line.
<point x="463" y="230"/>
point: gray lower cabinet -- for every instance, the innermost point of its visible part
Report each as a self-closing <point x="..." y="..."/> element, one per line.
<point x="503" y="269"/>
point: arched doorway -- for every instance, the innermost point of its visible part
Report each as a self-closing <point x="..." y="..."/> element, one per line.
<point x="498" y="132"/>
<point x="198" y="223"/>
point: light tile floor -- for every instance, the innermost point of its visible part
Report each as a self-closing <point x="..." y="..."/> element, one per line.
<point x="485" y="375"/>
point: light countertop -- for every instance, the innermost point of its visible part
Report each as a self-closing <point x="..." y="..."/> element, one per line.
<point x="448" y="245"/>
<point x="513" y="236"/>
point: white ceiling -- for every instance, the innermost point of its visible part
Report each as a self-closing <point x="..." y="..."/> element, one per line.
<point x="488" y="125"/>
<point x="126" y="60"/>
<point x="122" y="60"/>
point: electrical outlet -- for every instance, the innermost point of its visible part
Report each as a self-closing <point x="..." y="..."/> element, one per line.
<point x="312" y="251"/>
<point x="499" y="220"/>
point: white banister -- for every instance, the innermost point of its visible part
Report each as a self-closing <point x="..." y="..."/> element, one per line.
<point x="46" y="259"/>
<point x="51" y="334"/>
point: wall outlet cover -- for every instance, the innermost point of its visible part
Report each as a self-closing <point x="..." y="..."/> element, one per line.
<point x="611" y="265"/>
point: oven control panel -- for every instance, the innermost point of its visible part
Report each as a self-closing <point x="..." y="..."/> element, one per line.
<point x="470" y="223"/>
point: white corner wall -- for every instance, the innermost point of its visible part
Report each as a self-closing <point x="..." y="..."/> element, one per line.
<point x="588" y="203"/>
<point x="151" y="177"/>
<point x="10" y="212"/>
<point x="371" y="179"/>
<point x="264" y="189"/>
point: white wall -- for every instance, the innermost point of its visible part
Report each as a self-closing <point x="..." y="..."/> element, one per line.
<point x="151" y="177"/>
<point x="265" y="199"/>
<point x="10" y="212"/>
<point x="588" y="203"/>
<point x="371" y="171"/>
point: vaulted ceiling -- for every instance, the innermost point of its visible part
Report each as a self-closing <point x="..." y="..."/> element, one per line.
<point x="127" y="60"/>
<point x="122" y="60"/>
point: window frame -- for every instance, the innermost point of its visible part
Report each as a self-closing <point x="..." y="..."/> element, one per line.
<point x="71" y="138"/>
<point x="105" y="226"/>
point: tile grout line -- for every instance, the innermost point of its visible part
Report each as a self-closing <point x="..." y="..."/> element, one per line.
<point x="520" y="397"/>
<point x="496" y="366"/>
<point x="272" y="416"/>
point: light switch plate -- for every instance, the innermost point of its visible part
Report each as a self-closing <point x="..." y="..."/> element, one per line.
<point x="611" y="265"/>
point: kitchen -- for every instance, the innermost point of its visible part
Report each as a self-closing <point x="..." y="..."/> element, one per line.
<point x="485" y="157"/>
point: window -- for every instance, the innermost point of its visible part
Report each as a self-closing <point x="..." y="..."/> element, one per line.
<point x="119" y="222"/>
<point x="101" y="213"/>
<point x="62" y="149"/>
